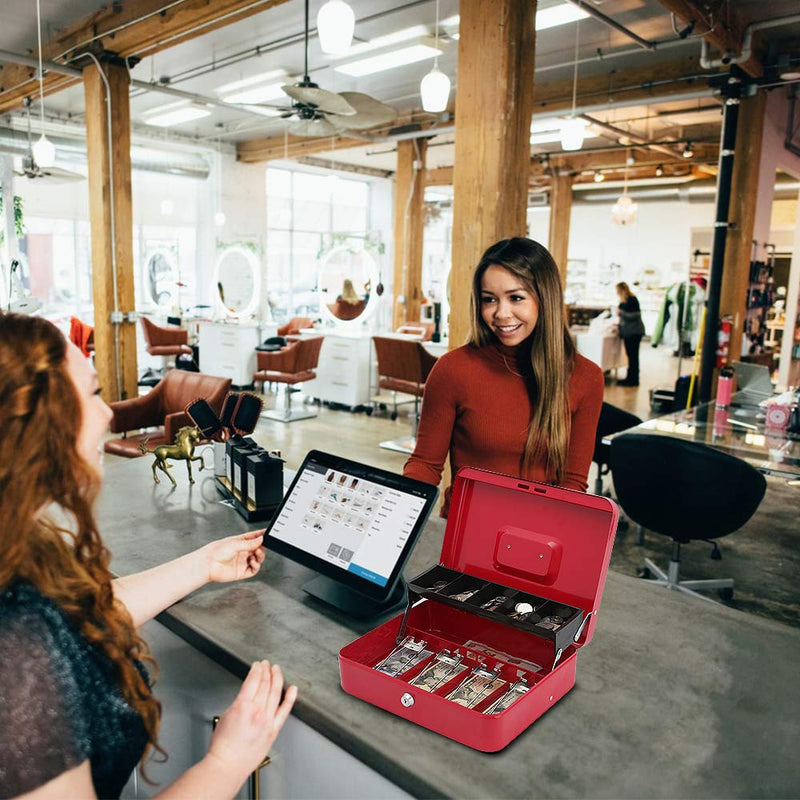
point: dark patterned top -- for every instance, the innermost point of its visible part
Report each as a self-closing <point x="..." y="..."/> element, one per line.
<point x="60" y="701"/>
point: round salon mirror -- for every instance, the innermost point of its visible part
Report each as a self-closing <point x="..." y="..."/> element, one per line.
<point x="161" y="277"/>
<point x="236" y="278"/>
<point x="347" y="275"/>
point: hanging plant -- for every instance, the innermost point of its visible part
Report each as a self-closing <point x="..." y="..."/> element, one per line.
<point x="19" y="225"/>
<point x="353" y="242"/>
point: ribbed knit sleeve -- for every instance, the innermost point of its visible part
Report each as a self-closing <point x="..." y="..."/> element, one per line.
<point x="437" y="418"/>
<point x="586" y="400"/>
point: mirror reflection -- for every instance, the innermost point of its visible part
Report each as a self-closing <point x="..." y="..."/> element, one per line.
<point x="345" y="282"/>
<point x="161" y="275"/>
<point x="235" y="281"/>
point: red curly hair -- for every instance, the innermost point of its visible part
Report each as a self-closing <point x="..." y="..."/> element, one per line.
<point x="40" y="466"/>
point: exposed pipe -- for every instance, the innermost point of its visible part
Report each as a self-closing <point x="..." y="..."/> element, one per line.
<point x="74" y="72"/>
<point x="731" y="92"/>
<point x="598" y="15"/>
<point x="747" y="41"/>
<point x="601" y="56"/>
<point x="74" y="151"/>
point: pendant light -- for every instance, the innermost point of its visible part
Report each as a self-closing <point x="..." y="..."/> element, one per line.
<point x="219" y="216"/>
<point x="573" y="129"/>
<point x="44" y="151"/>
<point x="335" y="24"/>
<point x="435" y="86"/>
<point x="624" y="210"/>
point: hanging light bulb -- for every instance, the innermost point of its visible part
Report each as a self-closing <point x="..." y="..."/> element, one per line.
<point x="335" y="24"/>
<point x="573" y="129"/>
<point x="624" y="210"/>
<point x="687" y="151"/>
<point x="219" y="219"/>
<point x="659" y="170"/>
<point x="435" y="90"/>
<point x="219" y="216"/>
<point x="435" y="86"/>
<point x="599" y="177"/>
<point x="44" y="151"/>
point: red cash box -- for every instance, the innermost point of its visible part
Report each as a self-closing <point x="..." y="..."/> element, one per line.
<point x="538" y="547"/>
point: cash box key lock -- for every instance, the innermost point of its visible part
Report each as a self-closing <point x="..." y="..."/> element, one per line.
<point x="407" y="700"/>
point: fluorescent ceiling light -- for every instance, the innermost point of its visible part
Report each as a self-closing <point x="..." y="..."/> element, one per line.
<point x="389" y="39"/>
<point x="558" y="15"/>
<point x="411" y="54"/>
<point x="545" y="17"/>
<point x="258" y="94"/>
<point x="255" y="80"/>
<point x="174" y="114"/>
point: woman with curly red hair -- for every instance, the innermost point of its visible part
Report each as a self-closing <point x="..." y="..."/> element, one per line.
<point x="78" y="708"/>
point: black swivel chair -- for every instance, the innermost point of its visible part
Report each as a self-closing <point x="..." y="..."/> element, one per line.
<point x="687" y="491"/>
<point x="612" y="420"/>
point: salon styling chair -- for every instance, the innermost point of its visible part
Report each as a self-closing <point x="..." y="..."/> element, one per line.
<point x="81" y="335"/>
<point x="686" y="491"/>
<point x="292" y="364"/>
<point x="419" y="328"/>
<point x="294" y="326"/>
<point x="612" y="420"/>
<point x="403" y="366"/>
<point x="165" y="341"/>
<point x="163" y="406"/>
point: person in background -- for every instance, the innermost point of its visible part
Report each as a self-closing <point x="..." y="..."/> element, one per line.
<point x="348" y="304"/>
<point x="631" y="331"/>
<point x="78" y="708"/>
<point x="517" y="398"/>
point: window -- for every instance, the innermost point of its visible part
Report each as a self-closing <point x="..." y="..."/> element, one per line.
<point x="304" y="212"/>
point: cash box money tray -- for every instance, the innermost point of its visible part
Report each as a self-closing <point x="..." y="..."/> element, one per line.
<point x="516" y="594"/>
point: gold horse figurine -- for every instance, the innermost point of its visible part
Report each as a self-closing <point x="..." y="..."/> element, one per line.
<point x="185" y="440"/>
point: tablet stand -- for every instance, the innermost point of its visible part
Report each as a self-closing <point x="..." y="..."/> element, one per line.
<point x="354" y="603"/>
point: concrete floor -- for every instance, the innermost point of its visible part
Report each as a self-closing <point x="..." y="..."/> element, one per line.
<point x="763" y="557"/>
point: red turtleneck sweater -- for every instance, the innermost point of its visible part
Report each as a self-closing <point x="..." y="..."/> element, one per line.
<point x="477" y="408"/>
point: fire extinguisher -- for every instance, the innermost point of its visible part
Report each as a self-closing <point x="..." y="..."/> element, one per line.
<point x="724" y="340"/>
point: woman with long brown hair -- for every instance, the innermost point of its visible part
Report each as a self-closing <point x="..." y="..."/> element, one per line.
<point x="76" y="697"/>
<point x="517" y="398"/>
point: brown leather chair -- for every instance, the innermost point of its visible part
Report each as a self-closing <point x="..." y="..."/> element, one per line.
<point x="294" y="326"/>
<point x="165" y="341"/>
<point x="403" y="366"/>
<point x="423" y="328"/>
<point x="292" y="364"/>
<point x="163" y="406"/>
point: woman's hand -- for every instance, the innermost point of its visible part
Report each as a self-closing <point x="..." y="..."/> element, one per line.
<point x="247" y="730"/>
<point x="235" y="557"/>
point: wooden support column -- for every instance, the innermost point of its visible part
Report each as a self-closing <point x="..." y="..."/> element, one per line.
<point x="560" y="212"/>
<point x="493" y="119"/>
<point x="110" y="199"/>
<point x="409" y="222"/>
<point x="745" y="196"/>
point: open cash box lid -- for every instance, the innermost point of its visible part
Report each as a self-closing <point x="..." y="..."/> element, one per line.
<point x="540" y="539"/>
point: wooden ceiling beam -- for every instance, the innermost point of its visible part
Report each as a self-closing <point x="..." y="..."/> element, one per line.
<point x="125" y="29"/>
<point x="276" y="147"/>
<point x="724" y="30"/>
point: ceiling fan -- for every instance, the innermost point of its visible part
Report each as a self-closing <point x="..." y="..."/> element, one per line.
<point x="323" y="113"/>
<point x="30" y="169"/>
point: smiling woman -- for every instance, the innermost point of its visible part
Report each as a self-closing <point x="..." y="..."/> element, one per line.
<point x="517" y="399"/>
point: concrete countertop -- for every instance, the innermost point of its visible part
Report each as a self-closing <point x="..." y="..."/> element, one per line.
<point x="675" y="697"/>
